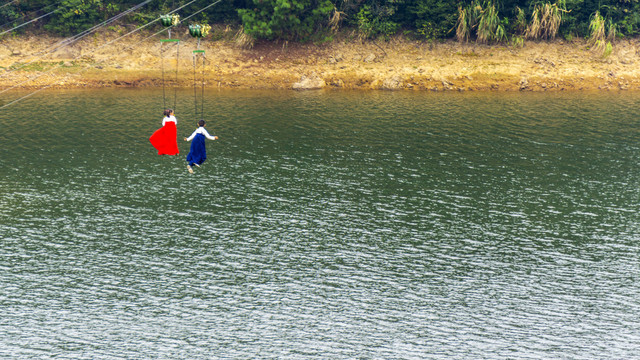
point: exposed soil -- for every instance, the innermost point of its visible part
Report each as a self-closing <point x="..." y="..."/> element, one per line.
<point x="136" y="61"/>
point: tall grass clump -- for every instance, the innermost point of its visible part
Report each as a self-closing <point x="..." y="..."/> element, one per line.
<point x="601" y="34"/>
<point x="488" y="24"/>
<point x="520" y="22"/>
<point x="545" y="21"/>
<point x="244" y="40"/>
<point x="463" y="30"/>
<point x="484" y="19"/>
<point x="336" y="19"/>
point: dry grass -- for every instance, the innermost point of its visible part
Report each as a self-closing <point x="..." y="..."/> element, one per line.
<point x="484" y="20"/>
<point x="488" y="24"/>
<point x="601" y="35"/>
<point x="462" y="29"/>
<point x="545" y="22"/>
<point x="243" y="40"/>
<point x="336" y="19"/>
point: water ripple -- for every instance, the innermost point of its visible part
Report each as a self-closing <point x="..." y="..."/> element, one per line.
<point x="324" y="225"/>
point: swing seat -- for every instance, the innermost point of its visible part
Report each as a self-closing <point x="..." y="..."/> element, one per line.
<point x="195" y="30"/>
<point x="169" y="20"/>
<point x="198" y="31"/>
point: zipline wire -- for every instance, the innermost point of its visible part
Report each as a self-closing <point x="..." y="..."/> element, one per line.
<point x="72" y="39"/>
<point x="7" y="4"/>
<point x="25" y="15"/>
<point x="100" y="47"/>
<point x="104" y="23"/>
<point x="28" y="22"/>
<point x="106" y="44"/>
<point x="190" y="16"/>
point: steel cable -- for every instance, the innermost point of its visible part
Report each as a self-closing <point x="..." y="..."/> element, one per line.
<point x="106" y="44"/>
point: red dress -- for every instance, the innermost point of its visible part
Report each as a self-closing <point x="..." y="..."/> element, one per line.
<point x="165" y="139"/>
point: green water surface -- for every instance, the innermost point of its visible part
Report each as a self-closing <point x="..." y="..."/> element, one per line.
<point x="324" y="225"/>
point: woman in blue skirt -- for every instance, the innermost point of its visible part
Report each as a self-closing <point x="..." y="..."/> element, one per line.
<point x="198" y="153"/>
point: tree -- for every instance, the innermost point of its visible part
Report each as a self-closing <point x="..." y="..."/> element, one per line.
<point x="285" y="19"/>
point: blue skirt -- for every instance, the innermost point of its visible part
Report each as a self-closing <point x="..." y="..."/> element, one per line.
<point x="198" y="152"/>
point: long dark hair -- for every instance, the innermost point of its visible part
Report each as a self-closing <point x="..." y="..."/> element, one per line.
<point x="167" y="112"/>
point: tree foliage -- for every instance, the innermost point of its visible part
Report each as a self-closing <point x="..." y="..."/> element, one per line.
<point x="303" y="20"/>
<point x="285" y="19"/>
<point x="72" y="15"/>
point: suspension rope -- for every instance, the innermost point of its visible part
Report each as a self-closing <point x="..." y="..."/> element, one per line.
<point x="175" y="88"/>
<point x="204" y="63"/>
<point x="100" y="47"/>
<point x="175" y="92"/>
<point x="198" y="54"/>
<point x="164" y="95"/>
<point x="195" y="92"/>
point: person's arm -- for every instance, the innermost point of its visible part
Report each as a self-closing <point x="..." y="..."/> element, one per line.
<point x="206" y="133"/>
<point x="164" y="120"/>
<point x="192" y="136"/>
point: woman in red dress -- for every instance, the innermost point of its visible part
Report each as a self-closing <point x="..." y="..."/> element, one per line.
<point x="165" y="139"/>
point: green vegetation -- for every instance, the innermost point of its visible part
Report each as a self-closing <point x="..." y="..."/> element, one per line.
<point x="482" y="21"/>
<point x="601" y="33"/>
<point x="545" y="21"/>
<point x="285" y="19"/>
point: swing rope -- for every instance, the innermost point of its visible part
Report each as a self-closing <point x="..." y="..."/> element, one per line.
<point x="196" y="54"/>
<point x="164" y="95"/>
<point x="202" y="97"/>
<point x="175" y="88"/>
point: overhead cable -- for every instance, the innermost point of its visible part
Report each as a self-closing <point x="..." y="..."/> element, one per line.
<point x="190" y="16"/>
<point x="98" y="48"/>
<point x="28" y="22"/>
<point x="73" y="39"/>
<point x="7" y="4"/>
<point x="25" y="15"/>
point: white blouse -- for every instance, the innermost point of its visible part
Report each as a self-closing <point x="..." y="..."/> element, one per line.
<point x="169" y="118"/>
<point x="203" y="131"/>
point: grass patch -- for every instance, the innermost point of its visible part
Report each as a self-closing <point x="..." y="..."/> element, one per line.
<point x="467" y="54"/>
<point x="34" y="66"/>
<point x="39" y="66"/>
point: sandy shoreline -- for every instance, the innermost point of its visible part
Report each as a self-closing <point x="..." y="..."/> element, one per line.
<point x="397" y="64"/>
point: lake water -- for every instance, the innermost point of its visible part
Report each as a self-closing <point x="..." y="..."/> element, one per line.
<point x="324" y="225"/>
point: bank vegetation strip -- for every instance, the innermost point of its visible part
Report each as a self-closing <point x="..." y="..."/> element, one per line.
<point x="341" y="64"/>
<point x="353" y="44"/>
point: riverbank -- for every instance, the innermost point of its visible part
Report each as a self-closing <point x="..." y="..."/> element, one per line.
<point x="347" y="63"/>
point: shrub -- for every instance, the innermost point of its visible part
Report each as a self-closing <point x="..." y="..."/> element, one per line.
<point x="285" y="19"/>
<point x="373" y="24"/>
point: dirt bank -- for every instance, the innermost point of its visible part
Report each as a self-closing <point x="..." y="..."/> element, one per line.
<point x="396" y="64"/>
